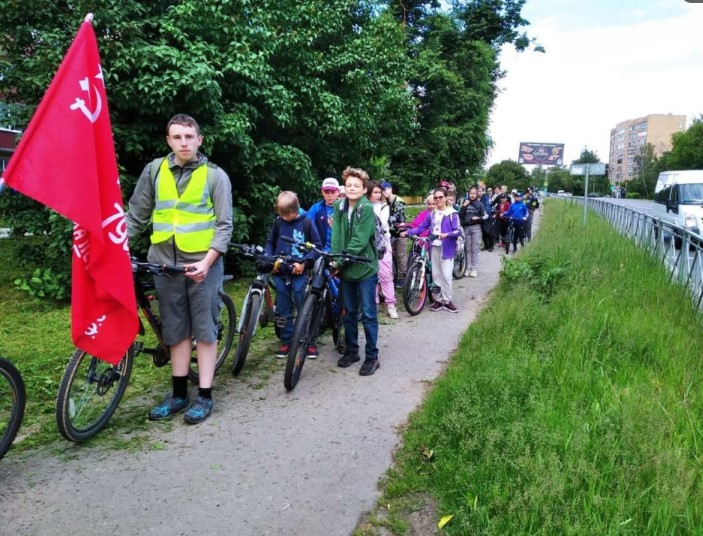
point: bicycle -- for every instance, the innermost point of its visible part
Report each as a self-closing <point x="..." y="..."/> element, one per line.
<point x="419" y="277"/>
<point x="258" y="307"/>
<point x="91" y="389"/>
<point x="460" y="258"/>
<point x="322" y="301"/>
<point x="13" y="399"/>
<point x="510" y="234"/>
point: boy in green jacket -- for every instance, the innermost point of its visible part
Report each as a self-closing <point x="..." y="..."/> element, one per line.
<point x="353" y="230"/>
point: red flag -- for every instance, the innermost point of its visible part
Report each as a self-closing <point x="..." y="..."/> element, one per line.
<point x="66" y="160"/>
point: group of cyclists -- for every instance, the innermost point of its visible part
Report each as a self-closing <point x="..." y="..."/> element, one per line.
<point x="187" y="200"/>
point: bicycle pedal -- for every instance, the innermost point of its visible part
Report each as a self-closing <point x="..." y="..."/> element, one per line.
<point x="138" y="348"/>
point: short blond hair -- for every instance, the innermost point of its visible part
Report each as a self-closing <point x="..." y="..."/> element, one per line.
<point x="287" y="203"/>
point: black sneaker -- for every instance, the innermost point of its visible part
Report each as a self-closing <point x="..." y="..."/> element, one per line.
<point x="368" y="367"/>
<point x="449" y="306"/>
<point x="436" y="306"/>
<point x="348" y="359"/>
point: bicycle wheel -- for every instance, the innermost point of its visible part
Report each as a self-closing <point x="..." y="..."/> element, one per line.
<point x="12" y="402"/>
<point x="509" y="239"/>
<point x="89" y="393"/>
<point x="302" y="334"/>
<point x="226" y="326"/>
<point x="415" y="291"/>
<point x="247" y="332"/>
<point x="459" y="265"/>
<point x="338" y="326"/>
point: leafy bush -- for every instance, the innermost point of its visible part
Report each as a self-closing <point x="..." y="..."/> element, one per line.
<point x="535" y="271"/>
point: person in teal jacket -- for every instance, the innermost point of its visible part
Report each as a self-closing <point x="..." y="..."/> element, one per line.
<point x="353" y="231"/>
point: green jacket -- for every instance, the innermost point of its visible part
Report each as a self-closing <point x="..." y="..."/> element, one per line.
<point x="356" y="237"/>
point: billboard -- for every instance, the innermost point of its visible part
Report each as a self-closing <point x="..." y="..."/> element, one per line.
<point x="550" y="154"/>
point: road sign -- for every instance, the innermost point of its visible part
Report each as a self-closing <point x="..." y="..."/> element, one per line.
<point x="593" y="169"/>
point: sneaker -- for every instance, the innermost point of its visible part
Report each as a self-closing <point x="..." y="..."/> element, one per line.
<point x="467" y="273"/>
<point x="312" y="352"/>
<point x="392" y="312"/>
<point x="436" y="306"/>
<point x="473" y="273"/>
<point x="199" y="411"/>
<point x="400" y="283"/>
<point x="368" y="367"/>
<point x="449" y="306"/>
<point x="347" y="359"/>
<point x="170" y="406"/>
<point x="282" y="351"/>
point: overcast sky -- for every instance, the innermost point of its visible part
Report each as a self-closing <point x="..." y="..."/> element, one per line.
<point x="606" y="61"/>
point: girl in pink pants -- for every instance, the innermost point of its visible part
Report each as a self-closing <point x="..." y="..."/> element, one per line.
<point x="385" y="264"/>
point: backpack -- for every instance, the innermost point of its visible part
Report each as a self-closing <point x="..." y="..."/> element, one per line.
<point x="379" y="236"/>
<point x="307" y="224"/>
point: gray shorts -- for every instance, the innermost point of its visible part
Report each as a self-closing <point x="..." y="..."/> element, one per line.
<point x="189" y="309"/>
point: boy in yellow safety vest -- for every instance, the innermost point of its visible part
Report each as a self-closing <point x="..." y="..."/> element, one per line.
<point x="189" y="203"/>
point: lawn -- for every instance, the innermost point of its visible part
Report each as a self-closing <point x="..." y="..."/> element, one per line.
<point x="36" y="338"/>
<point x="573" y="405"/>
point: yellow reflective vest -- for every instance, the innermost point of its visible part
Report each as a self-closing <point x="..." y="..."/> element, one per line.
<point x="190" y="218"/>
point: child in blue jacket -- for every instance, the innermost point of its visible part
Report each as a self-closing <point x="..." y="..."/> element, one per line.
<point x="518" y="214"/>
<point x="289" y="279"/>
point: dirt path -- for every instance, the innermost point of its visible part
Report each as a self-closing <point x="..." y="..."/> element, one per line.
<point x="266" y="462"/>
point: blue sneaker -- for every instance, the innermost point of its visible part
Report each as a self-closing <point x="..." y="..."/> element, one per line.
<point x="199" y="411"/>
<point x="170" y="406"/>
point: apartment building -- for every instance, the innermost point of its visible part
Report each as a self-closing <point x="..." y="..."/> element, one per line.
<point x="629" y="138"/>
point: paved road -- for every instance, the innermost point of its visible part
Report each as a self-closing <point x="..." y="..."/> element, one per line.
<point x="266" y="462"/>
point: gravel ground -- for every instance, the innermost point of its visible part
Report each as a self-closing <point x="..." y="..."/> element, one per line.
<point x="266" y="462"/>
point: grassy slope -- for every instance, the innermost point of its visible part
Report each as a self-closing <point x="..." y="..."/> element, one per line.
<point x="573" y="405"/>
<point x="37" y="339"/>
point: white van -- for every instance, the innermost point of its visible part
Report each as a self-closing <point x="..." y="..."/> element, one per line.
<point x="681" y="192"/>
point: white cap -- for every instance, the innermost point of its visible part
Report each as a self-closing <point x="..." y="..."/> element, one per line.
<point x="330" y="183"/>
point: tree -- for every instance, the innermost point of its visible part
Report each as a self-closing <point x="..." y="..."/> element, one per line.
<point x="596" y="183"/>
<point x="687" y="148"/>
<point x="286" y="91"/>
<point x="509" y="173"/>
<point x="560" y="179"/>
<point x="453" y="77"/>
<point x="645" y="171"/>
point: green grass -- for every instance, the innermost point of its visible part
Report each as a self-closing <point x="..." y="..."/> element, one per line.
<point x="36" y="338"/>
<point x="573" y="405"/>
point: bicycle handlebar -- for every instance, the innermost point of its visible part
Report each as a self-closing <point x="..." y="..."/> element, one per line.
<point x="257" y="253"/>
<point x="429" y="238"/>
<point x="312" y="247"/>
<point x="159" y="269"/>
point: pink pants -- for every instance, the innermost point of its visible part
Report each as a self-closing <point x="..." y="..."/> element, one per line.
<point x="385" y="277"/>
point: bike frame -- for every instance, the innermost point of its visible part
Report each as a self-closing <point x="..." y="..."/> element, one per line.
<point x="259" y="285"/>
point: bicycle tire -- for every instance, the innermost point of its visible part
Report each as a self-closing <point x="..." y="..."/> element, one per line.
<point x="249" y="321"/>
<point x="414" y="291"/>
<point x="87" y="382"/>
<point x="509" y="238"/>
<point x="11" y="389"/>
<point x="338" y="329"/>
<point x="459" y="265"/>
<point x="226" y="327"/>
<point x="299" y="342"/>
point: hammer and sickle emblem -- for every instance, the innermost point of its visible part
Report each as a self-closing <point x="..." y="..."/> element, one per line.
<point x="81" y="105"/>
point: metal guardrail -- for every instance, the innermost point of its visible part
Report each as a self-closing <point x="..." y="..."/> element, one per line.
<point x="677" y="248"/>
